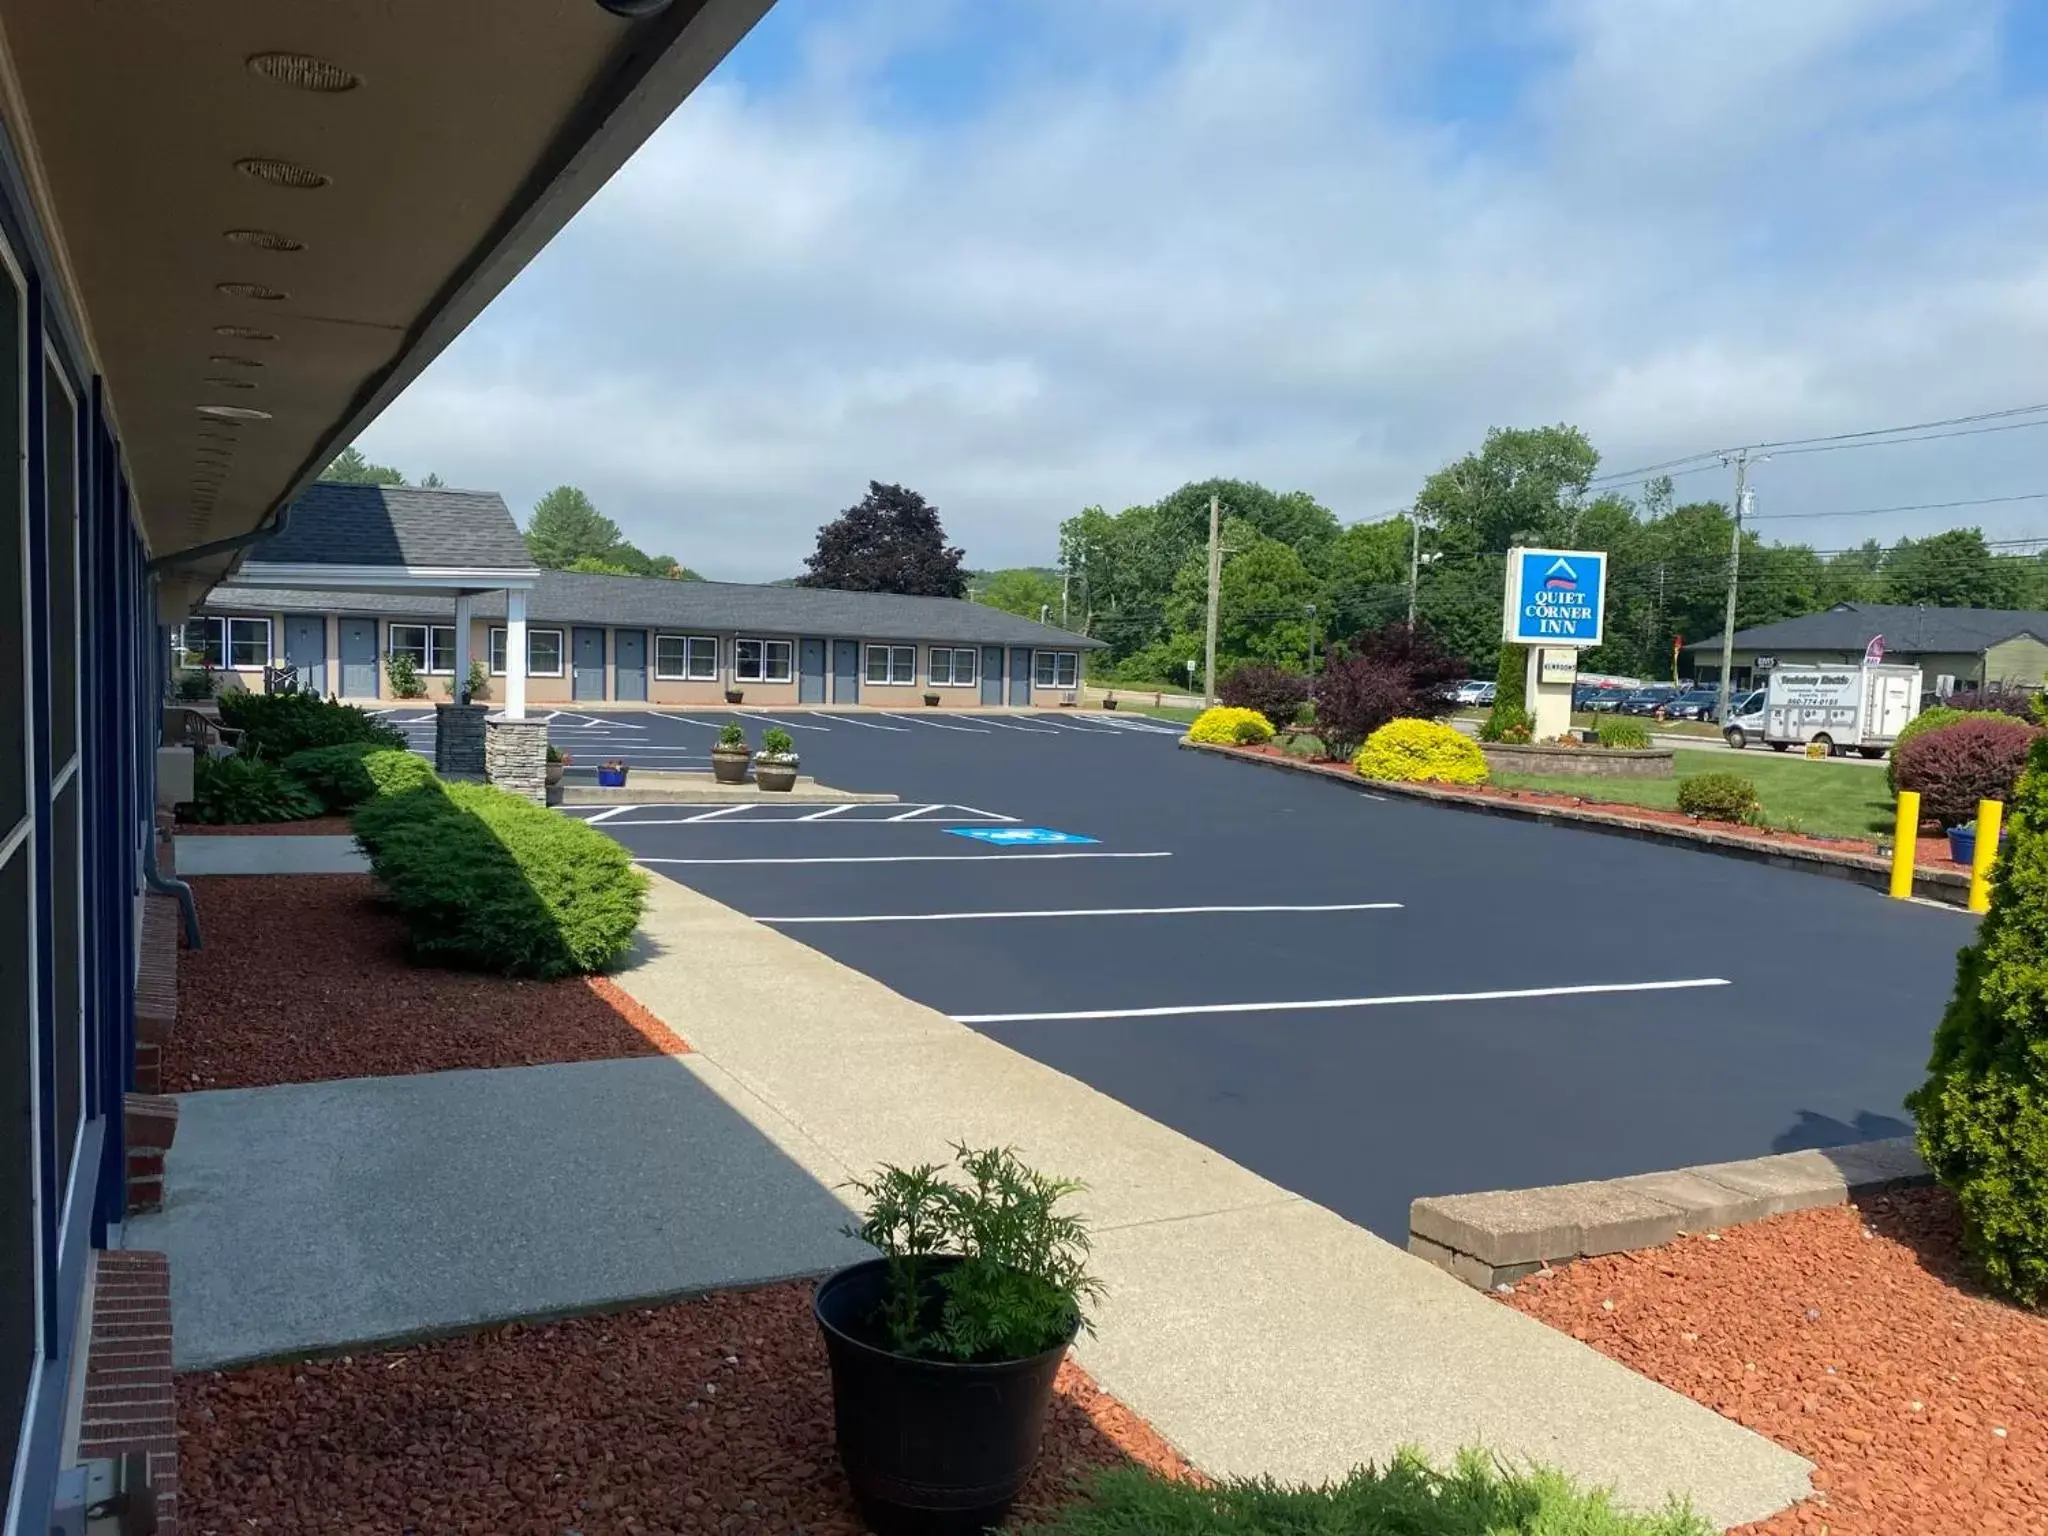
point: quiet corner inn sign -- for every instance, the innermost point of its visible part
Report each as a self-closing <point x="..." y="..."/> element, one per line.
<point x="1555" y="597"/>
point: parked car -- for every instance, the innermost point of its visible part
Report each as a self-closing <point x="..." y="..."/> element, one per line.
<point x="1598" y="698"/>
<point x="1647" y="701"/>
<point x="1473" y="691"/>
<point x="1746" y="720"/>
<point x="1694" y="704"/>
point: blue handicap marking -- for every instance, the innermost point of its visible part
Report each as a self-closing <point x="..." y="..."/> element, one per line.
<point x="1019" y="837"/>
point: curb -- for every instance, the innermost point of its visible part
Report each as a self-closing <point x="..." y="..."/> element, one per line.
<point x="1494" y="1239"/>
<point x="1949" y="886"/>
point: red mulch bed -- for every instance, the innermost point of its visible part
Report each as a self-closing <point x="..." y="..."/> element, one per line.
<point x="306" y="977"/>
<point x="1854" y="1337"/>
<point x="711" y="1417"/>
<point x="312" y="826"/>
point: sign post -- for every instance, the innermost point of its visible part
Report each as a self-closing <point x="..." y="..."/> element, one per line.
<point x="1555" y="604"/>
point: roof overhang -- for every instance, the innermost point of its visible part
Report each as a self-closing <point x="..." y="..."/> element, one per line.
<point x="385" y="578"/>
<point x="269" y="216"/>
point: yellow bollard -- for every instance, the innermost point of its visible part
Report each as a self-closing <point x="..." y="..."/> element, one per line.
<point x="1905" y="843"/>
<point x="1989" y="813"/>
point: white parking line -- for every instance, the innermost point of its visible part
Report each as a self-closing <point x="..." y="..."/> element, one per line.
<point x="921" y="858"/>
<point x="794" y="725"/>
<point x="709" y="725"/>
<point x="1187" y="1009"/>
<point x="608" y="815"/>
<point x="764" y="815"/>
<point x="713" y="815"/>
<point x="869" y="724"/>
<point x="830" y="810"/>
<point x="1012" y="725"/>
<point x="962" y="917"/>
<point x="937" y="725"/>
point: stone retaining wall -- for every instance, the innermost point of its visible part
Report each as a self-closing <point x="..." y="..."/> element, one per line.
<point x="1593" y="762"/>
<point x="516" y="757"/>
<point x="459" y="738"/>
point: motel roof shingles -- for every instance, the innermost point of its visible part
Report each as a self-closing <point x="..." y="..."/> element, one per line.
<point x="650" y="602"/>
<point x="342" y="523"/>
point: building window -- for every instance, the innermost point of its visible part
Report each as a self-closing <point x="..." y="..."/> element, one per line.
<point x="21" y="1309"/>
<point x="892" y="666"/>
<point x="431" y="646"/>
<point x="200" y="643"/>
<point x="763" y="661"/>
<point x="686" y="658"/>
<point x="1056" y="669"/>
<point x="953" y="668"/>
<point x="249" y="643"/>
<point x="543" y="652"/>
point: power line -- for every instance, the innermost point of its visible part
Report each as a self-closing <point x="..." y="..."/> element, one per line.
<point x="1912" y="506"/>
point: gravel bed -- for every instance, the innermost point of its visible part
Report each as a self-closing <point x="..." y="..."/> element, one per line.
<point x="305" y="977"/>
<point x="1852" y="1336"/>
<point x="312" y="826"/>
<point x="711" y="1417"/>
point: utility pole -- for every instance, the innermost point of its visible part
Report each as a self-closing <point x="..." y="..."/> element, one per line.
<point x="1740" y="458"/>
<point x="1066" y="577"/>
<point x="1215" y="587"/>
<point x="1414" y="561"/>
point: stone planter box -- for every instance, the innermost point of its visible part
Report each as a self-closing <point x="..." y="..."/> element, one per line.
<point x="1589" y="762"/>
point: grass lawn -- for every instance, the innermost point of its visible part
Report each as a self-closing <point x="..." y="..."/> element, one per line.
<point x="1585" y="717"/>
<point x="1829" y="799"/>
<point x="1159" y="711"/>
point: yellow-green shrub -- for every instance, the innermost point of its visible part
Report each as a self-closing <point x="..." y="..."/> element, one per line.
<point x="1421" y="752"/>
<point x="1227" y="727"/>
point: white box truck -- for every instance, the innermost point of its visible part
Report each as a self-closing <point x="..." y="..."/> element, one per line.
<point x="1848" y="709"/>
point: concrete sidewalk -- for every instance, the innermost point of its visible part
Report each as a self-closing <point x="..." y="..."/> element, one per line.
<point x="1258" y="1332"/>
<point x="320" y="1216"/>
<point x="285" y="854"/>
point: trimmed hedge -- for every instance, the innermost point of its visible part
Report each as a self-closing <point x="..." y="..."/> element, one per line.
<point x="492" y="881"/>
<point x="231" y="791"/>
<point x="1983" y="1112"/>
<point x="347" y="775"/>
<point x="1720" y="797"/>
<point x="276" y="725"/>
<point x="1228" y="727"/>
<point x="1421" y="752"/>
<point x="1972" y="758"/>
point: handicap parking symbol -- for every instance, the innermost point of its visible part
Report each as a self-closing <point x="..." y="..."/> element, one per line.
<point x="1019" y="837"/>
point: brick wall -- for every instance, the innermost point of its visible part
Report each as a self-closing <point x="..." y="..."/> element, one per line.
<point x="129" y="1402"/>
<point x="150" y="1123"/>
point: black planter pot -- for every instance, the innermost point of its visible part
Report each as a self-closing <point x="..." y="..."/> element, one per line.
<point x="932" y="1448"/>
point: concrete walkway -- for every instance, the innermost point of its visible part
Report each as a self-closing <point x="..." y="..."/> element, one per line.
<point x="1258" y="1332"/>
<point x="286" y="854"/>
<point x="320" y="1216"/>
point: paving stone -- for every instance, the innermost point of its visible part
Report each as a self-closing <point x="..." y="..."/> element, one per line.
<point x="1875" y="1167"/>
<point x="1705" y="1203"/>
<point x="1553" y="1224"/>
<point x="1790" y="1181"/>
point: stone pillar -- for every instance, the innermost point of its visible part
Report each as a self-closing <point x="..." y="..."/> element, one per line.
<point x="516" y="756"/>
<point x="459" y="738"/>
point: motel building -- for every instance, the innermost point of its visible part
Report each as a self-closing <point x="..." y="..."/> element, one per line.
<point x="230" y="235"/>
<point x="318" y="598"/>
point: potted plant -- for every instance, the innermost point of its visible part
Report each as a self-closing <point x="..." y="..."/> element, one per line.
<point x="931" y="701"/>
<point x="1109" y="699"/>
<point x="557" y="761"/>
<point x="611" y="774"/>
<point x="733" y="695"/>
<point x="775" y="763"/>
<point x="730" y="755"/>
<point x="943" y="1350"/>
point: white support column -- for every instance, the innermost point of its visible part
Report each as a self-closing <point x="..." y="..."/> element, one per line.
<point x="515" y="653"/>
<point x="463" y="603"/>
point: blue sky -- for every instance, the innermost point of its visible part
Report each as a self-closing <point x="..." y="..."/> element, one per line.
<point x="1032" y="255"/>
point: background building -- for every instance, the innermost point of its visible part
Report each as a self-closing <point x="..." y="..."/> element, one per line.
<point x="1971" y="647"/>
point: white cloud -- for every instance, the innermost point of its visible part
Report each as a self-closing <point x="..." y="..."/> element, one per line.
<point x="1272" y="249"/>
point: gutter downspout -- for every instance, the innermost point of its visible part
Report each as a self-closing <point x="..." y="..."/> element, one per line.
<point x="166" y="885"/>
<point x="225" y="546"/>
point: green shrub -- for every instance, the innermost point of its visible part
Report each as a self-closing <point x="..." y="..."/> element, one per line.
<point x="403" y="673"/>
<point x="275" y="725"/>
<point x="732" y="734"/>
<point x="1983" y="1111"/>
<point x="478" y="682"/>
<point x="345" y="776"/>
<point x="1226" y="726"/>
<point x="199" y="683"/>
<point x="1720" y="797"/>
<point x="1623" y="734"/>
<point x="231" y="791"/>
<point x="1421" y="752"/>
<point x="1021" y="1283"/>
<point x="1509" y="720"/>
<point x="1477" y="1497"/>
<point x="492" y="881"/>
<point x="776" y="742"/>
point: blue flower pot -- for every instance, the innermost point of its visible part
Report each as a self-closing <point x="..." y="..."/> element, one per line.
<point x="1962" y="844"/>
<point x="611" y="778"/>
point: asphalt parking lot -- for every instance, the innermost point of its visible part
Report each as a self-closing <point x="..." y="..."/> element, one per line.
<point x="1363" y="999"/>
